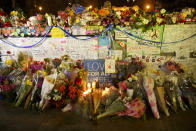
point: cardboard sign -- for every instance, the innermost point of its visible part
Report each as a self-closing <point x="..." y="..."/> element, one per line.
<point x="96" y="71"/>
<point x="56" y="32"/>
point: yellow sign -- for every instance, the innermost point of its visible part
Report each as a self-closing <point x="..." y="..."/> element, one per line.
<point x="56" y="32"/>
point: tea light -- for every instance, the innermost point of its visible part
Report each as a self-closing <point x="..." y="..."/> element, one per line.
<point x="106" y="91"/>
<point x="87" y="92"/>
<point x="93" y="84"/>
<point x="88" y="85"/>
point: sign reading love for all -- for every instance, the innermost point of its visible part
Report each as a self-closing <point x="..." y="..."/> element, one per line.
<point x="96" y="70"/>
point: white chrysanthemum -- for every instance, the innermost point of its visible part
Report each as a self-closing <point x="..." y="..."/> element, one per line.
<point x="163" y="11"/>
<point x="130" y="79"/>
<point x="174" y="19"/>
<point x="145" y="21"/>
<point x="159" y="20"/>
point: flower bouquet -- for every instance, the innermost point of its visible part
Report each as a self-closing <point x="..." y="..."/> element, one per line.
<point x="170" y="90"/>
<point x="115" y="107"/>
<point x="160" y="92"/>
<point x="148" y="85"/>
<point x="47" y="86"/>
<point x="135" y="108"/>
<point x="25" y="89"/>
<point x="34" y="97"/>
<point x="8" y="90"/>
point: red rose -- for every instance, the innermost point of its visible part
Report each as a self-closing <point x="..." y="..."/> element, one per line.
<point x="78" y="81"/>
<point x="62" y="89"/>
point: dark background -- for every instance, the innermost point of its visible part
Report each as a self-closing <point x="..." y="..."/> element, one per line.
<point x="30" y="7"/>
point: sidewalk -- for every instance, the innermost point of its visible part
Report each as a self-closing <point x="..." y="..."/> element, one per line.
<point x="17" y="119"/>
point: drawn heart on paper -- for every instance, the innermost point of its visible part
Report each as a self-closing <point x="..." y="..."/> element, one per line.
<point x="62" y="49"/>
<point x="63" y="41"/>
<point x="109" y="66"/>
<point x="96" y="47"/>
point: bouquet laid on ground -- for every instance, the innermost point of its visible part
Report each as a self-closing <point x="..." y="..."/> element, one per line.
<point x="160" y="92"/>
<point x="148" y="84"/>
<point x="24" y="90"/>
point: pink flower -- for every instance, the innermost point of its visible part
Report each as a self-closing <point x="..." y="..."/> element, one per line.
<point x="40" y="17"/>
<point x="149" y="93"/>
<point x="152" y="103"/>
<point x="12" y="86"/>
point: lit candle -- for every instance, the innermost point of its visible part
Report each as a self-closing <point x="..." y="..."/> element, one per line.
<point x="106" y="91"/>
<point x="94" y="85"/>
<point x="87" y="92"/>
<point x="88" y="85"/>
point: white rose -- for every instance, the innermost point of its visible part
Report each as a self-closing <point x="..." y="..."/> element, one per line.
<point x="174" y="20"/>
<point x="130" y="79"/>
<point x="159" y="20"/>
<point x="163" y="11"/>
<point x="118" y="14"/>
<point x="145" y="21"/>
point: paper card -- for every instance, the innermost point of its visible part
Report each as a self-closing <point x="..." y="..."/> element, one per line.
<point x="103" y="52"/>
<point x="56" y="32"/>
<point x="104" y="41"/>
<point x="110" y="66"/>
<point x="120" y="35"/>
<point x="76" y="30"/>
<point x="116" y="54"/>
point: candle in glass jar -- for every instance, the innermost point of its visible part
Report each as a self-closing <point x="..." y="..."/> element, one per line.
<point x="88" y="85"/>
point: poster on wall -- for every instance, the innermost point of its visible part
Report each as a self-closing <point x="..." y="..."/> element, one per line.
<point x="54" y="48"/>
<point x="110" y="66"/>
<point x="96" y="71"/>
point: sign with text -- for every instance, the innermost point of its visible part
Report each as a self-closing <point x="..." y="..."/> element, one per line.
<point x="96" y="71"/>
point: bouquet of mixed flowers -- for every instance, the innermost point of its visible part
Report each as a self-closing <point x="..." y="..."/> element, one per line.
<point x="148" y="84"/>
<point x="7" y="89"/>
<point x="25" y="89"/>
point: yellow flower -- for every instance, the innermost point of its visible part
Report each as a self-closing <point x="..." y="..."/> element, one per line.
<point x="136" y="8"/>
<point x="77" y="20"/>
<point x="39" y="72"/>
<point x="29" y="83"/>
<point x="14" y="13"/>
<point x="42" y="72"/>
<point x="9" y="62"/>
<point x="104" y="12"/>
<point x="45" y="73"/>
